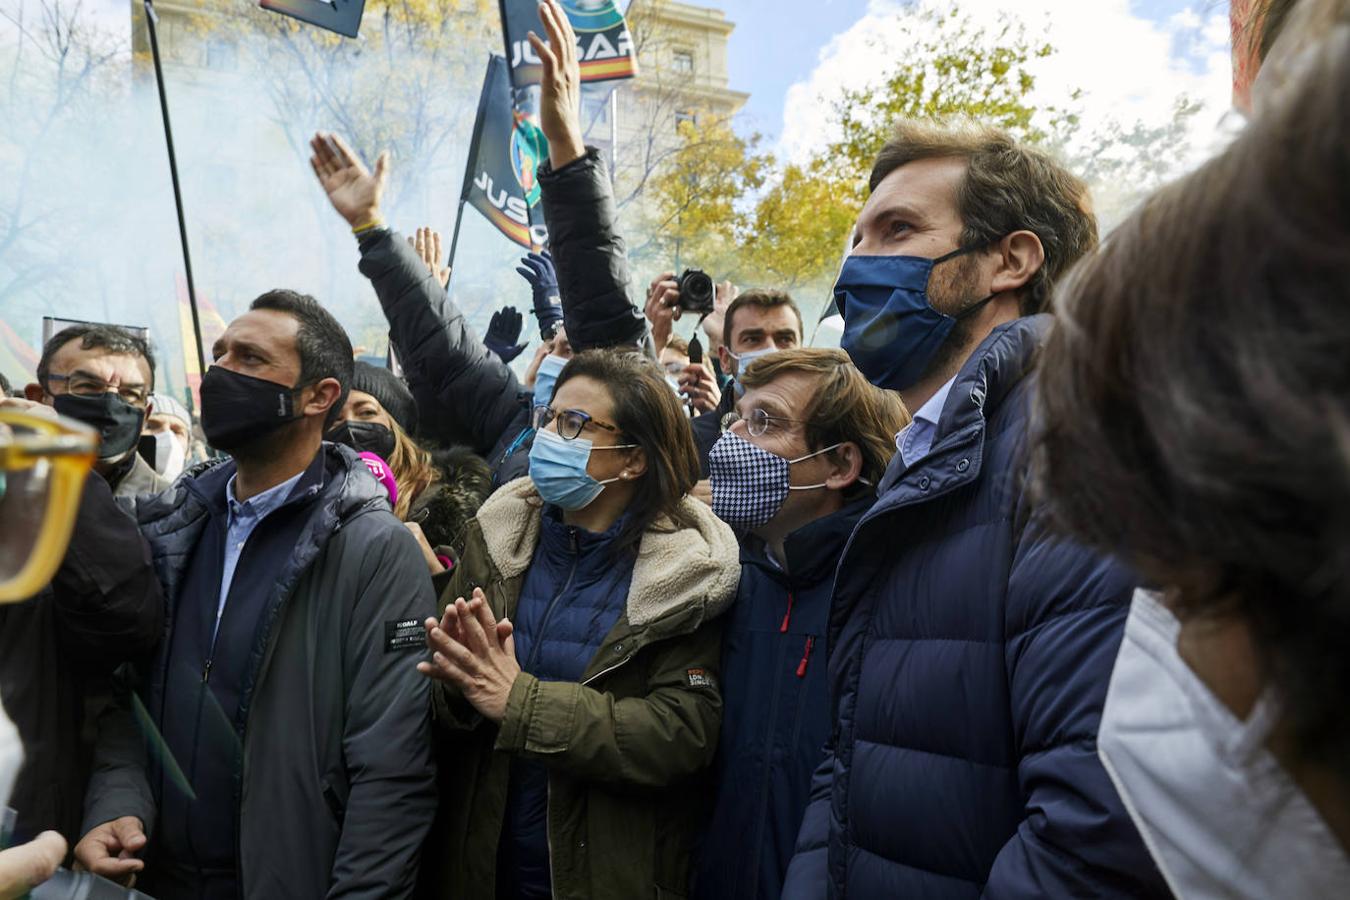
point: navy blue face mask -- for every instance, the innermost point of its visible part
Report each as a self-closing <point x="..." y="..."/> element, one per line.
<point x="891" y="330"/>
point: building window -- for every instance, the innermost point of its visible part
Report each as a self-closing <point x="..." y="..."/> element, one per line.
<point x="222" y="55"/>
<point x="683" y="62"/>
<point x="684" y="115"/>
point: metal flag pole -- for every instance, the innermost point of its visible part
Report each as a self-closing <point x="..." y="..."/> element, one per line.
<point x="613" y="132"/>
<point x="151" y="24"/>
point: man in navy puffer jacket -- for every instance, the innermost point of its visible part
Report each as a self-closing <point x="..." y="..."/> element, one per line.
<point x="793" y="519"/>
<point x="969" y="652"/>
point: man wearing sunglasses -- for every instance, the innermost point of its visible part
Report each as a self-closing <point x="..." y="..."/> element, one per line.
<point x="103" y="376"/>
<point x="792" y="473"/>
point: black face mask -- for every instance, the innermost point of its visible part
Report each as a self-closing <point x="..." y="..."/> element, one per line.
<point x="364" y="437"/>
<point x="239" y="409"/>
<point x="118" y="422"/>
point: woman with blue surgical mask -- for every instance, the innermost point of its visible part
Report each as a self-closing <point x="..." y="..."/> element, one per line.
<point x="576" y="696"/>
<point x="1194" y="408"/>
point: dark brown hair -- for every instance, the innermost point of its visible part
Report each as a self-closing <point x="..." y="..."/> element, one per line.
<point x="1194" y="397"/>
<point x="1007" y="187"/>
<point x="648" y="414"/>
<point x="844" y="407"/>
<point x="764" y="299"/>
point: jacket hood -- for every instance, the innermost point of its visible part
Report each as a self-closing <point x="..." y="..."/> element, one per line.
<point x="446" y="507"/>
<point x="346" y="490"/>
<point x="696" y="566"/>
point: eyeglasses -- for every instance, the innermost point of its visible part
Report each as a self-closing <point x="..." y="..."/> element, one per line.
<point x="84" y="385"/>
<point x="570" y="422"/>
<point x="758" y="422"/>
<point x="43" y="464"/>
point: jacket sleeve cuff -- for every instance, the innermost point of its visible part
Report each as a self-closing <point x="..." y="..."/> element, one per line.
<point x="539" y="716"/>
<point x="548" y="174"/>
<point x="369" y="239"/>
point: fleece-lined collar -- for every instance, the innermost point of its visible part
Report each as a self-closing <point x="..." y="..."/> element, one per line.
<point x="698" y="565"/>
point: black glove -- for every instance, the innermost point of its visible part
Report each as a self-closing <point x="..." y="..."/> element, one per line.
<point x="537" y="269"/>
<point x="503" y="332"/>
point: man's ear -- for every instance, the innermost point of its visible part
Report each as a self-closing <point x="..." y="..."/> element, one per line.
<point x="32" y="392"/>
<point x="724" y="358"/>
<point x="846" y="464"/>
<point x="1021" y="256"/>
<point x="325" y="394"/>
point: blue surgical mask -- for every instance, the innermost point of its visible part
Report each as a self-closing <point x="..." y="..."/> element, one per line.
<point x="547" y="378"/>
<point x="558" y="470"/>
<point x="891" y="330"/>
<point x="745" y="359"/>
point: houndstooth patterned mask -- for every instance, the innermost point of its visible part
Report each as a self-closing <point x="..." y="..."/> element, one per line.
<point x="749" y="484"/>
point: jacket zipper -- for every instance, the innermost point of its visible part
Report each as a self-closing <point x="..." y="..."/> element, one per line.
<point x="806" y="656"/>
<point x="787" y="616"/>
<point x="552" y="604"/>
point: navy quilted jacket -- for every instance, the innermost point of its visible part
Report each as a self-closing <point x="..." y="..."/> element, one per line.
<point x="969" y="656"/>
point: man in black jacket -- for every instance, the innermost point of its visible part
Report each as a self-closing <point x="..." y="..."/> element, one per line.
<point x="57" y="650"/>
<point x="465" y="393"/>
<point x="291" y="745"/>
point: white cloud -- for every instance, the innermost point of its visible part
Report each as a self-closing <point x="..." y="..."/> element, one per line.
<point x="1130" y="68"/>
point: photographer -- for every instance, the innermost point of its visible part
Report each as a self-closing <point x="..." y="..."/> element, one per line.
<point x="757" y="323"/>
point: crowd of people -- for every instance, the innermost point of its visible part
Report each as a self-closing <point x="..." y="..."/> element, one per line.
<point x="1036" y="588"/>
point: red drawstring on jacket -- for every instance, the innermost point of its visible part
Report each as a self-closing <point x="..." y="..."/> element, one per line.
<point x="787" y="616"/>
<point x="806" y="657"/>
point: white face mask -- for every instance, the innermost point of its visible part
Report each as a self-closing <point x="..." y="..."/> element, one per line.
<point x="11" y="757"/>
<point x="170" y="455"/>
<point x="1219" y="814"/>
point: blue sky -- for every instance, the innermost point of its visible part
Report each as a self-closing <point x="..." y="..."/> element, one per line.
<point x="778" y="43"/>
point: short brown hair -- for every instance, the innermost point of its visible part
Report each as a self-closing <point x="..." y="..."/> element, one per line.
<point x="1194" y="397"/>
<point x="764" y="299"/>
<point x="845" y="406"/>
<point x="1007" y="187"/>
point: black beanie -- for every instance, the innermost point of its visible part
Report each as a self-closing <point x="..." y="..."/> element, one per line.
<point x="390" y="390"/>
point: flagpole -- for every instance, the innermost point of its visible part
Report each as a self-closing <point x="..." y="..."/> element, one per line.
<point x="468" y="169"/>
<point x="151" y="24"/>
<point x="613" y="132"/>
<point x="454" y="239"/>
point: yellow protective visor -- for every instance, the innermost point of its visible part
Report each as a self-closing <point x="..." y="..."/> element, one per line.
<point x="43" y="463"/>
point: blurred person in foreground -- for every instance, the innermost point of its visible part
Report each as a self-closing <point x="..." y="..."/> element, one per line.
<point x="287" y="753"/>
<point x="578" y="697"/>
<point x="438" y="491"/>
<point x="103" y="376"/>
<point x="44" y="462"/>
<point x="792" y="475"/>
<point x="1195" y="418"/>
<point x="59" y="647"/>
<point x="970" y="651"/>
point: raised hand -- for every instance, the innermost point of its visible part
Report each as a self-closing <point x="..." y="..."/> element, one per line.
<point x="354" y="190"/>
<point x="698" y="384"/>
<point x="560" y="89"/>
<point x="663" y="308"/>
<point x="714" y="321"/>
<point x="503" y="332"/>
<point x="427" y="243"/>
<point x="537" y="269"/>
